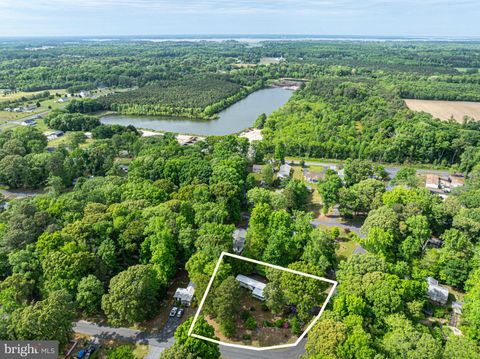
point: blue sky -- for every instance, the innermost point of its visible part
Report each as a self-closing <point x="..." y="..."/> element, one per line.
<point x="326" y="17"/>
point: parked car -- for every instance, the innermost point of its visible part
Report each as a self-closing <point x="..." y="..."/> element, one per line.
<point x="173" y="311"/>
<point x="81" y="354"/>
<point x="180" y="313"/>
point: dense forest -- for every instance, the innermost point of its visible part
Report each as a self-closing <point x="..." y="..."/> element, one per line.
<point x="194" y="97"/>
<point x="361" y="117"/>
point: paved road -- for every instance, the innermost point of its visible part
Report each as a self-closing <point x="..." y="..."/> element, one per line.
<point x="290" y="353"/>
<point x="157" y="342"/>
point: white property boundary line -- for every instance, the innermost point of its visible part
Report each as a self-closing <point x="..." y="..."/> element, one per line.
<point x="271" y="266"/>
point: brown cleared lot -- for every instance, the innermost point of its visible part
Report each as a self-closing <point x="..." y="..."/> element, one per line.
<point x="444" y="110"/>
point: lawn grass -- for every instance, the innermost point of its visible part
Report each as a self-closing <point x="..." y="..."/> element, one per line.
<point x="345" y="248"/>
<point x="317" y="169"/>
<point x="140" y="351"/>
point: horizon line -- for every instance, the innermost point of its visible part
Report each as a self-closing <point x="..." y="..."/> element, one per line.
<point x="255" y="35"/>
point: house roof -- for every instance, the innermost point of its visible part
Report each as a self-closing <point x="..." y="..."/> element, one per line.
<point x="258" y="292"/>
<point x="250" y="282"/>
<point x="436" y="292"/>
<point x="185" y="294"/>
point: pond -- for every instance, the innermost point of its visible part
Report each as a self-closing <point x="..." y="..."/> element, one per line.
<point x="234" y="119"/>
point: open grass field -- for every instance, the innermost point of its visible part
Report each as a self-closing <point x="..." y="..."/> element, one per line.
<point x="12" y="116"/>
<point x="9" y="96"/>
<point x="444" y="110"/>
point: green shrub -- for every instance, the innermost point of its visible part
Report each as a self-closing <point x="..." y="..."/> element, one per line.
<point x="267" y="324"/>
<point x="122" y="352"/>
<point x="251" y="323"/>
<point x="279" y="323"/>
<point x="244" y="315"/>
<point x="247" y="337"/>
<point x="295" y="324"/>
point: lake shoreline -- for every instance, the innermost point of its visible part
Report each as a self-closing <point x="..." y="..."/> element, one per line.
<point x="234" y="119"/>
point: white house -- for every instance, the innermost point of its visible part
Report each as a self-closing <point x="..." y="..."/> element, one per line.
<point x="255" y="286"/>
<point x="185" y="295"/>
<point x="436" y="293"/>
<point x="63" y="99"/>
<point x="284" y="171"/>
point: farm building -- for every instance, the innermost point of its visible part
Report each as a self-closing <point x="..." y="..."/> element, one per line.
<point x="63" y="99"/>
<point x="253" y="285"/>
<point x="185" y="295"/>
